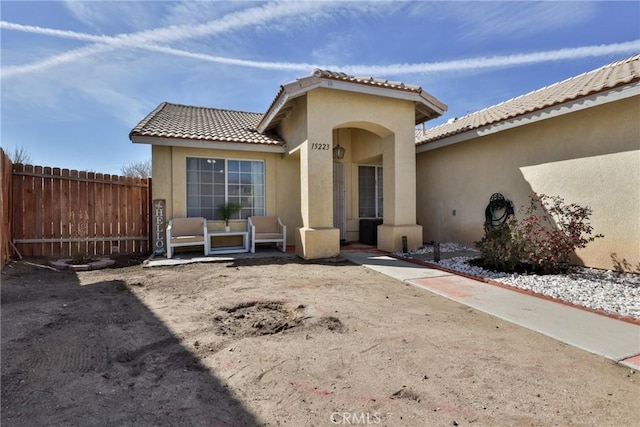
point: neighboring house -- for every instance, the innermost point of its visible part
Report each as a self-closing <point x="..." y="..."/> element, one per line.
<point x="578" y="139"/>
<point x="333" y="153"/>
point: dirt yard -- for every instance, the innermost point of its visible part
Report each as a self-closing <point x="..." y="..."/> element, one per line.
<point x="278" y="341"/>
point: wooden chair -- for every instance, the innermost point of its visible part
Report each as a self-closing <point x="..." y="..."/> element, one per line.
<point x="187" y="232"/>
<point x="267" y="229"/>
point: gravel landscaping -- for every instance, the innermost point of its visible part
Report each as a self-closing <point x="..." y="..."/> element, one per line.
<point x="607" y="290"/>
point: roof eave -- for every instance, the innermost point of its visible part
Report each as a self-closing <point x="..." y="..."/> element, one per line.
<point x="209" y="144"/>
<point x="593" y="100"/>
<point x="287" y="93"/>
<point x="431" y="107"/>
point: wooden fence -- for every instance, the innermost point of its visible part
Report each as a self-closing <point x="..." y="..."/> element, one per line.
<point x="59" y="212"/>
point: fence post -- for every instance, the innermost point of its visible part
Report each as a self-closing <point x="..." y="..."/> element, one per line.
<point x="6" y="208"/>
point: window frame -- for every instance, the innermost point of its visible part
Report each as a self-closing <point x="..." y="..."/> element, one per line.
<point x="237" y="216"/>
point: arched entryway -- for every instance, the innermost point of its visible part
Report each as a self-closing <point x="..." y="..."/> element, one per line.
<point x="367" y="184"/>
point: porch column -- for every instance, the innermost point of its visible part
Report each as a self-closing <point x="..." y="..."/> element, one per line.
<point x="317" y="238"/>
<point x="399" y="193"/>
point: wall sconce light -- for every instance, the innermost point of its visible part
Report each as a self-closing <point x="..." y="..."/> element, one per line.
<point x="338" y="151"/>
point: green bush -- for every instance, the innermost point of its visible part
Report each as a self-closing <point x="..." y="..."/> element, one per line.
<point x="542" y="241"/>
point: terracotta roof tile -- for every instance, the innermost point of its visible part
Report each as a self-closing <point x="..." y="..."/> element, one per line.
<point x="370" y="81"/>
<point x="204" y="124"/>
<point x="616" y="74"/>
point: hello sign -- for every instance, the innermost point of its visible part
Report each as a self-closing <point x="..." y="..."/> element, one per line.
<point x="158" y="225"/>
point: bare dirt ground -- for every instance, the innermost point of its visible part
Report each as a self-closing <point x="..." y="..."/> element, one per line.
<point x="279" y="341"/>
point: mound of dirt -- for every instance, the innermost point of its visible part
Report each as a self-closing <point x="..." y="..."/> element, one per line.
<point x="256" y="318"/>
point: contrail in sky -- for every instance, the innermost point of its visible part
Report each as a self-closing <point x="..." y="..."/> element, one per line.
<point x="148" y="40"/>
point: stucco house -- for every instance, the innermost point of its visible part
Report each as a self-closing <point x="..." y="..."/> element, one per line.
<point x="335" y="153"/>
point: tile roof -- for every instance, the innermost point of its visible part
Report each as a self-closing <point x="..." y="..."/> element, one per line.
<point x="608" y="77"/>
<point x="370" y="81"/>
<point x="203" y="124"/>
<point x="426" y="105"/>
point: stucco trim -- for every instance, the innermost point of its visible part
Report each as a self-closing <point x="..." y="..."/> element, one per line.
<point x="435" y="106"/>
<point x="190" y="143"/>
<point x="573" y="106"/>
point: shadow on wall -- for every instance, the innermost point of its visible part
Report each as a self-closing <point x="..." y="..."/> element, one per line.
<point x="606" y="184"/>
<point x="621" y="264"/>
<point x="96" y="355"/>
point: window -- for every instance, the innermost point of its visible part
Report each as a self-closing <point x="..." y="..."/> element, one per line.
<point x="212" y="182"/>
<point x="370" y="191"/>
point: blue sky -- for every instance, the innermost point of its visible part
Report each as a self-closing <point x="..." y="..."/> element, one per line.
<point x="77" y="76"/>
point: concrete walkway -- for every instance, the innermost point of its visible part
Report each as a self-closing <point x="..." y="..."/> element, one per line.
<point x="614" y="339"/>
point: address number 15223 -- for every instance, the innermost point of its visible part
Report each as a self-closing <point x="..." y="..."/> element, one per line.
<point x="319" y="146"/>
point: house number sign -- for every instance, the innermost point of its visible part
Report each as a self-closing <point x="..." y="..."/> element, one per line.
<point x="319" y="146"/>
<point x="158" y="226"/>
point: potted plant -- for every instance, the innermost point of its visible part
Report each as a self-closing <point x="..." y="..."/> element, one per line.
<point x="226" y="211"/>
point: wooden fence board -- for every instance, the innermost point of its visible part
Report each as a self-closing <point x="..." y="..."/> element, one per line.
<point x="122" y="212"/>
<point x="16" y="230"/>
<point x="72" y="211"/>
<point x="108" y="210"/>
<point x="98" y="200"/>
<point x="28" y="213"/>
<point x="131" y="202"/>
<point x="115" y="211"/>
<point x="65" y="247"/>
<point x="56" y="208"/>
<point x="82" y="217"/>
<point x="91" y="177"/>
<point x="38" y="223"/>
<point x="47" y="211"/>
<point x="145" y="216"/>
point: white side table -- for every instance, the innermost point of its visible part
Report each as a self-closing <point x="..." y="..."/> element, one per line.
<point x="229" y="249"/>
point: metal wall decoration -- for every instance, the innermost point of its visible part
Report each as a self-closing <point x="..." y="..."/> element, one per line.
<point x="497" y="212"/>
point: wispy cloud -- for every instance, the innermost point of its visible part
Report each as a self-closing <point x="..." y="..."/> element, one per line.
<point x="427" y="67"/>
<point x="156" y="40"/>
<point x="100" y="15"/>
<point x="498" y="61"/>
<point x="147" y="40"/>
<point x="528" y="18"/>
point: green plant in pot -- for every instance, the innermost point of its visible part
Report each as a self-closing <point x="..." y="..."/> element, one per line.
<point x="226" y="211"/>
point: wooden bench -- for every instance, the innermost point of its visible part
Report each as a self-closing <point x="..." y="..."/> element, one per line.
<point x="187" y="232"/>
<point x="267" y="229"/>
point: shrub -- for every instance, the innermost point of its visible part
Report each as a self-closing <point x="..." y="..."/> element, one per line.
<point x="499" y="249"/>
<point x="79" y="229"/>
<point x="543" y="239"/>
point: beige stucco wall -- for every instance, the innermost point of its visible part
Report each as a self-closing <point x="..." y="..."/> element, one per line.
<point x="590" y="157"/>
<point x="287" y="185"/>
<point x="293" y="128"/>
<point x="373" y="130"/>
<point x="169" y="182"/>
<point x="161" y="171"/>
<point x="299" y="182"/>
